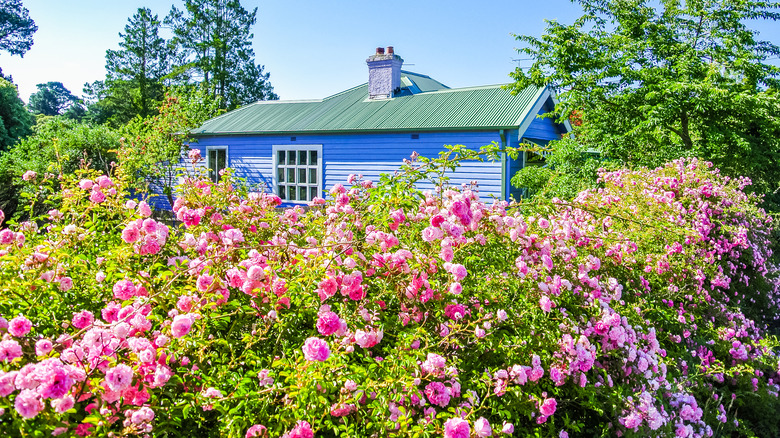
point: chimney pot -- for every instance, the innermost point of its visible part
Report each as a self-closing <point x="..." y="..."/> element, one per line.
<point x="390" y="50"/>
<point x="380" y="50"/>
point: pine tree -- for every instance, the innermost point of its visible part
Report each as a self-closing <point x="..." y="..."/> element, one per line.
<point x="51" y="99"/>
<point x="215" y="37"/>
<point x="135" y="73"/>
<point x="16" y="27"/>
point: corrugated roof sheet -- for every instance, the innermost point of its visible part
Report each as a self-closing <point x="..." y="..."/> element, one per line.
<point x="435" y="107"/>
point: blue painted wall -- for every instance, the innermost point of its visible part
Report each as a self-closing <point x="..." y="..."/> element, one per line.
<point x="374" y="154"/>
<point x="366" y="154"/>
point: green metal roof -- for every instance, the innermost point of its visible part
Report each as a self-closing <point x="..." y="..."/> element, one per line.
<point x="433" y="107"/>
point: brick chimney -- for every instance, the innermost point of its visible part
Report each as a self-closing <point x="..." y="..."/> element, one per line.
<point x="384" y="73"/>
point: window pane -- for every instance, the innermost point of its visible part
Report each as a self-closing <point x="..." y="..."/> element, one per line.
<point x="302" y="176"/>
<point x="280" y="157"/>
<point x="302" y="193"/>
<point x="283" y="192"/>
<point x="290" y="174"/>
<point x="313" y="157"/>
<point x="212" y="159"/>
<point x="312" y="176"/>
<point x="280" y="174"/>
<point x="221" y="159"/>
<point x="312" y="193"/>
<point x="291" y="157"/>
<point x="291" y="192"/>
<point x="302" y="157"/>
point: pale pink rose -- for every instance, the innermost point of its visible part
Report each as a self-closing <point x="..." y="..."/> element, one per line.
<point x="368" y="339"/>
<point x="482" y="427"/>
<point x="10" y="350"/>
<point x="124" y="290"/>
<point x="181" y="325"/>
<point x="131" y="234"/>
<point x="255" y="273"/>
<point x="85" y="184"/>
<point x="66" y="284"/>
<point x="43" y="347"/>
<point x="63" y="404"/>
<point x="104" y="182"/>
<point x="97" y="196"/>
<point x="27" y="404"/>
<point x="545" y="303"/>
<point x="119" y="377"/>
<point x="315" y="349"/>
<point x="29" y="175"/>
<point x="508" y="428"/>
<point x="143" y="209"/>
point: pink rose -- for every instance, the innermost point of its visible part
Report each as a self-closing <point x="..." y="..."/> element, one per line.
<point x="29" y="175"/>
<point x="66" y="283"/>
<point x="27" y="404"/>
<point x="19" y="326"/>
<point x="258" y="430"/>
<point x="43" y="347"/>
<point x="82" y="319"/>
<point x="457" y="428"/>
<point x="10" y="350"/>
<point x="482" y="427"/>
<point x="328" y="323"/>
<point x="438" y="394"/>
<point x="143" y="209"/>
<point x="124" y="290"/>
<point x="119" y="377"/>
<point x="548" y="407"/>
<point x="315" y="349"/>
<point x="181" y="325"/>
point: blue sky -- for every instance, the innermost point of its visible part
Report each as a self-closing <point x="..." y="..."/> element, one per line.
<point x="312" y="49"/>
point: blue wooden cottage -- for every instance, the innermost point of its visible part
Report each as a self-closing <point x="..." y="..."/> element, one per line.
<point x="300" y="148"/>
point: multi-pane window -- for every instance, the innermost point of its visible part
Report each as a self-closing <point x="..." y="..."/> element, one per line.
<point x="298" y="172"/>
<point x="216" y="160"/>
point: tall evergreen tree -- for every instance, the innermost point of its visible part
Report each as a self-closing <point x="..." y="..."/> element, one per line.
<point x="16" y="27"/>
<point x="135" y="73"/>
<point x="51" y="99"/>
<point x="216" y="39"/>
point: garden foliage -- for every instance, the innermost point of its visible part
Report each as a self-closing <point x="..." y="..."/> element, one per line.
<point x="640" y="309"/>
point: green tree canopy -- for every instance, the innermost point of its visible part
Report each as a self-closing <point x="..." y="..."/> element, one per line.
<point x="51" y="99"/>
<point x="56" y="145"/>
<point x="655" y="80"/>
<point x="16" y="27"/>
<point x="216" y="39"/>
<point x="134" y="73"/>
<point x="15" y="121"/>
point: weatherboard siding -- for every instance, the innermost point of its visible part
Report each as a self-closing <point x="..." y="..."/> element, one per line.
<point x="368" y="154"/>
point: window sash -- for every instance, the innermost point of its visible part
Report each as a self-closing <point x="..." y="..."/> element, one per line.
<point x="298" y="172"/>
<point x="216" y="160"/>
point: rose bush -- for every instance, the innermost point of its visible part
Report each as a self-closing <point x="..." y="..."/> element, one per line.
<point x="644" y="308"/>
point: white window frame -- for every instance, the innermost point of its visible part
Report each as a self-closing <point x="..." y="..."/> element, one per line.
<point x="296" y="168"/>
<point x="208" y="159"/>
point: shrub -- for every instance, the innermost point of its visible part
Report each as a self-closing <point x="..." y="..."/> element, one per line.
<point x="638" y="309"/>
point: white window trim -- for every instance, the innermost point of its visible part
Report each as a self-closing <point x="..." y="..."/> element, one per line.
<point x="297" y="147"/>
<point x="217" y="148"/>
